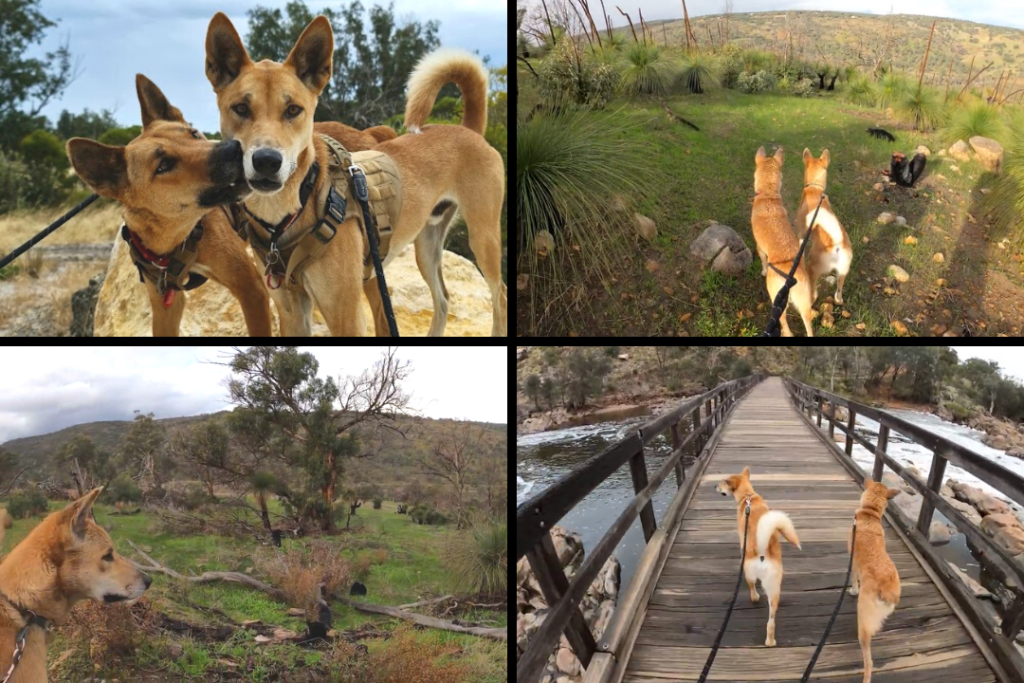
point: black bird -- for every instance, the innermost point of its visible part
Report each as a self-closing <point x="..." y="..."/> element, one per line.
<point x="882" y="134"/>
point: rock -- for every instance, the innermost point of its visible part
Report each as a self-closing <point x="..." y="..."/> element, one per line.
<point x="566" y="661"/>
<point x="982" y="502"/>
<point x="1011" y="538"/>
<point x="886" y="218"/>
<point x="990" y="154"/>
<point x="955" y="169"/>
<point x="945" y="491"/>
<point x="176" y="650"/>
<point x="960" y="151"/>
<point x="1016" y="452"/>
<point x="976" y="588"/>
<point x="942" y="153"/>
<point x="939" y="258"/>
<point x="944" y="413"/>
<point x="262" y="640"/>
<point x="898" y="274"/>
<point x="83" y="307"/>
<point x="878" y="187"/>
<point x="910" y="506"/>
<point x="914" y="472"/>
<point x="568" y="547"/>
<point x="522" y="282"/>
<point x="645" y="227"/>
<point x="720" y="248"/>
<point x="122" y="309"/>
<point x="900" y="221"/>
<point x="921" y="149"/>
<point x="968" y="511"/>
<point x="544" y="243"/>
<point x="938" y="534"/>
<point x="993" y="524"/>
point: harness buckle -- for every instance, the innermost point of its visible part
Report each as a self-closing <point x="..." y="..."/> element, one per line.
<point x="324" y="239"/>
<point x="273" y="256"/>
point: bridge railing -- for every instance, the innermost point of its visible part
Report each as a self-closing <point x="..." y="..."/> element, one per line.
<point x="813" y="401"/>
<point x="537" y="516"/>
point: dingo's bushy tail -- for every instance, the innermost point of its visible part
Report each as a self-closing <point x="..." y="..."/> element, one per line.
<point x="829" y="223"/>
<point x="436" y="70"/>
<point x="771" y="522"/>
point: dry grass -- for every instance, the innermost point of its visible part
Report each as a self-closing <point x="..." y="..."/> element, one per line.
<point x="99" y="223"/>
<point x="41" y="305"/>
<point x="300" y="571"/>
<point x="406" y="659"/>
<point x="108" y="632"/>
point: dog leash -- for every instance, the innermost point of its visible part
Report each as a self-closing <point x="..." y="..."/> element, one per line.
<point x="774" y="329"/>
<point x="739" y="578"/>
<point x="19" y="642"/>
<point x="835" y="612"/>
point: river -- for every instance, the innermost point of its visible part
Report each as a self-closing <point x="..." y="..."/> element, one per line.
<point x="544" y="457"/>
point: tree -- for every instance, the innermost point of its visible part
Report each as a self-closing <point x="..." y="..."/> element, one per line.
<point x="532" y="390"/>
<point x="584" y="376"/>
<point x="305" y="421"/>
<point x="548" y="389"/>
<point x="984" y="379"/>
<point x="372" y="61"/>
<point x="88" y="124"/>
<point x="43" y="147"/>
<point x="204" y="448"/>
<point x="263" y="484"/>
<point x="453" y="456"/>
<point x="90" y="467"/>
<point x="120" y="136"/>
<point x="28" y="84"/>
<point x="142" y="453"/>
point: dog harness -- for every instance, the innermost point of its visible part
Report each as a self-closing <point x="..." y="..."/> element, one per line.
<point x="285" y="254"/>
<point x="169" y="274"/>
<point x="31" y="619"/>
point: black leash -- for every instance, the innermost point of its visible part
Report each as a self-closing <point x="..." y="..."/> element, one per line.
<point x="835" y="612"/>
<point x="31" y="619"/>
<point x="6" y="261"/>
<point x="721" y="631"/>
<point x="363" y="195"/>
<point x="782" y="298"/>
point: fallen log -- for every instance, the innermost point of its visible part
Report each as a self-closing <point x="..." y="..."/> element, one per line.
<point x="421" y="603"/>
<point x="493" y="633"/>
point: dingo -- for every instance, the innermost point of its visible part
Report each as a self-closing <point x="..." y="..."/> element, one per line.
<point x="66" y="559"/>
<point x="269" y="107"/>
<point x="830" y="248"/>
<point x="763" y="559"/>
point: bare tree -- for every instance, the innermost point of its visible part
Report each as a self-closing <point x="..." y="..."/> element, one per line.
<point x="453" y="455"/>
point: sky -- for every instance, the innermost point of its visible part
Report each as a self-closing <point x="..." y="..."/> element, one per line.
<point x="165" y="39"/>
<point x="997" y="12"/>
<point x="43" y="390"/>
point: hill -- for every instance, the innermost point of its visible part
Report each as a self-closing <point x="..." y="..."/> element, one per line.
<point x="845" y="39"/>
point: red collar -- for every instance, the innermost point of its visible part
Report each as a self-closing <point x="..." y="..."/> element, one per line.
<point x="155" y="259"/>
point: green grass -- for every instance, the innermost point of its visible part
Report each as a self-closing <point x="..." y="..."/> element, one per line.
<point x="659" y="290"/>
<point x="412" y="571"/>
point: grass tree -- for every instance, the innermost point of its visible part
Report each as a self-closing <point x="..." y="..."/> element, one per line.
<point x="479" y="562"/>
<point x="647" y="70"/>
<point x="977" y="119"/>
<point x="263" y="484"/>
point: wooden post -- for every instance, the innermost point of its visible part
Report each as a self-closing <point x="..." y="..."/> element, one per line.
<point x="1014" y="618"/>
<point x="707" y="412"/>
<point x="698" y="442"/>
<point x="883" y="445"/>
<point x="818" y="397"/>
<point x="924" y="64"/>
<point x="849" y="434"/>
<point x="935" y="484"/>
<point x="680" y="470"/>
<point x="553" y="585"/>
<point x="832" y="422"/>
<point x="638" y="468"/>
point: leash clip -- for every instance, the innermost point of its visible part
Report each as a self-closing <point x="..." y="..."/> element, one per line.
<point x="273" y="256"/>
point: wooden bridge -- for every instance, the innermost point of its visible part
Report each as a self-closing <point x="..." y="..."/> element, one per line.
<point x="669" y="615"/>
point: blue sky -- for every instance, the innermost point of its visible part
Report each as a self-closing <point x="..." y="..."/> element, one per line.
<point x="164" y="39"/>
<point x="45" y="390"/>
<point x="999" y="12"/>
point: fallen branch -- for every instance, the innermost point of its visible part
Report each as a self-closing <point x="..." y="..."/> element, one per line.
<point x="208" y="577"/>
<point x="676" y="117"/>
<point x="528" y="66"/>
<point x="421" y="603"/>
<point x="494" y="633"/>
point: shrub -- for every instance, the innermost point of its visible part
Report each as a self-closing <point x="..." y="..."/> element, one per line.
<point x="479" y="562"/>
<point x="409" y="656"/>
<point x="923" y="107"/>
<point x="43" y="147"/>
<point x="977" y="119"/>
<point x="14" y="175"/>
<point x="27" y="503"/>
<point x="1007" y="199"/>
<point x="760" y="82"/>
<point x="805" y="87"/>
<point x="647" y="70"/>
<point x="124" y="490"/>
<point x="421" y="514"/>
<point x="300" y="571"/>
<point x="120" y="136"/>
<point x="193" y="498"/>
<point x="700" y="72"/>
<point x="861" y="90"/>
<point x="361" y="567"/>
<point x="108" y="634"/>
<point x="891" y="90"/>
<point x="611" y="351"/>
<point x="568" y="76"/>
<point x="377" y="502"/>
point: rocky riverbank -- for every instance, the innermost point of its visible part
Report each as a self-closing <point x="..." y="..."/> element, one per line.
<point x="531" y="607"/>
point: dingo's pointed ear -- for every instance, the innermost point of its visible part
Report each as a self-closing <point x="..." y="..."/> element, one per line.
<point x="313" y="55"/>
<point x="807" y="155"/>
<point x="225" y="53"/>
<point x="825" y="157"/>
<point x="745" y="473"/>
<point x="103" y="168"/>
<point x="81" y="512"/>
<point x="155" y="106"/>
<point x="892" y="493"/>
<point x="778" y="155"/>
<point x="760" y="154"/>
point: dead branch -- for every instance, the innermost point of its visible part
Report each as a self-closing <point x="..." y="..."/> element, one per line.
<point x="208" y="577"/>
<point x="13" y="481"/>
<point x="493" y="633"/>
<point x="422" y="603"/>
<point x="630" y="24"/>
<point x="676" y="117"/>
<point x="924" y="64"/>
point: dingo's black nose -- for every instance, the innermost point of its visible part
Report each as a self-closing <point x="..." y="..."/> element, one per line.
<point x="267" y="162"/>
<point x="148" y="581"/>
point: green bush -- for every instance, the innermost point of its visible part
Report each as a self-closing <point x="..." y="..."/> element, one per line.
<point x="861" y="90"/>
<point x="647" y="70"/>
<point x="120" y="136"/>
<point x="760" y="82"/>
<point x="123" y="490"/>
<point x="43" y="147"/>
<point x="479" y="563"/>
<point x="421" y="514"/>
<point x="978" y="119"/>
<point x="568" y="77"/>
<point x="377" y="502"/>
<point x="14" y="175"/>
<point x="27" y="503"/>
<point x="923" y="107"/>
<point x="960" y="413"/>
<point x="892" y="89"/>
<point x="805" y="87"/>
<point x="700" y="72"/>
<point x="26" y="185"/>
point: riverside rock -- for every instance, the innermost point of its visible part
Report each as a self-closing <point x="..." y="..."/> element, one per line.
<point x="720" y="248"/>
<point x="990" y="154"/>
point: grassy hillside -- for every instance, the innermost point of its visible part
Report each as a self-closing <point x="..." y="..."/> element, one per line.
<point x="397" y="560"/>
<point x="841" y="39"/>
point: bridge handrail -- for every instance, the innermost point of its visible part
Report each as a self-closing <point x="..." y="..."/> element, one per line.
<point x="537" y="516"/>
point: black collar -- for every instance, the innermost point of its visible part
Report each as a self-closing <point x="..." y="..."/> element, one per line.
<point x="304" y="193"/>
<point x="30" y="617"/>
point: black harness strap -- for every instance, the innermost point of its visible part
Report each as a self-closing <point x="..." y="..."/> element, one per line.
<point x="721" y="631"/>
<point x="304" y="193"/>
<point x="835" y="612"/>
<point x="363" y="197"/>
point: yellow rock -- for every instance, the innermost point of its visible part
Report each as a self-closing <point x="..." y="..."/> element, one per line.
<point x="123" y="307"/>
<point x="910" y="240"/>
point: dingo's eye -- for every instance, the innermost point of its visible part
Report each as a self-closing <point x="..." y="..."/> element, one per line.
<point x="165" y="166"/>
<point x="109" y="557"/>
<point x="241" y="109"/>
<point x="293" y="111"/>
<point x="194" y="133"/>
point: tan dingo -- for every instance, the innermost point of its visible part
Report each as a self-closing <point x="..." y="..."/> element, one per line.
<point x="776" y="245"/>
<point x="66" y="559"/>
<point x="830" y="248"/>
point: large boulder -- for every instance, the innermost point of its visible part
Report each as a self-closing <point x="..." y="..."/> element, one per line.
<point x="1011" y="538"/>
<point x="968" y="511"/>
<point x="722" y="250"/>
<point x="990" y="154"/>
<point x="122" y="309"/>
<point x="993" y="524"/>
<point x="960" y="151"/>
